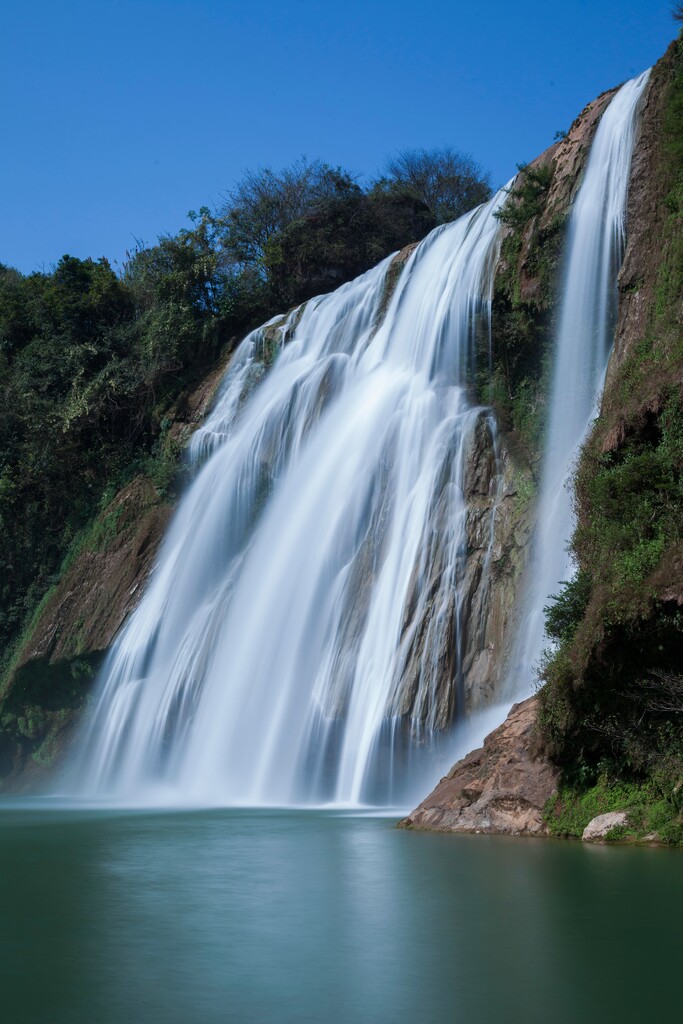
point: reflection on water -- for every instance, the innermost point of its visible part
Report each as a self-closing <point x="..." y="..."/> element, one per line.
<point x="297" y="917"/>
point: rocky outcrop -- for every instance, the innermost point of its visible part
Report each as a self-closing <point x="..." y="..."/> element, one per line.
<point x="569" y="158"/>
<point x="499" y="489"/>
<point x="644" y="218"/>
<point x="478" y="618"/>
<point x="500" y="788"/>
<point x="565" y="160"/>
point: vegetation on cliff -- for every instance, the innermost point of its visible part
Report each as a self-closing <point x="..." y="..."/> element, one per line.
<point x="522" y="312"/>
<point x="612" y="704"/>
<point x="96" y="368"/>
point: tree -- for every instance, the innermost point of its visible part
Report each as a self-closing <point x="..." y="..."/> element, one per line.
<point x="180" y="268"/>
<point x="447" y="182"/>
<point x="343" y="237"/>
<point x="677" y="11"/>
<point x="265" y="202"/>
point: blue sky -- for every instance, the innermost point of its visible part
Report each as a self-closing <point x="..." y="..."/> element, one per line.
<point x="120" y="116"/>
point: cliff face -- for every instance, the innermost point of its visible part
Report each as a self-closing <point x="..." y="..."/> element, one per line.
<point x="611" y="706"/>
<point x="101" y="583"/>
<point x="500" y="482"/>
<point x="605" y="733"/>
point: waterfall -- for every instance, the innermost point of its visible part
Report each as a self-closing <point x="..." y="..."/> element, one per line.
<point x="301" y="637"/>
<point x="588" y="303"/>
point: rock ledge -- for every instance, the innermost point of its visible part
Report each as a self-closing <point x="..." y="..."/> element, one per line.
<point x="499" y="788"/>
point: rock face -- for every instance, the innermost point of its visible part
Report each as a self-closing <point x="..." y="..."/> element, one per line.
<point x="500" y="788"/>
<point x="497" y="486"/>
<point x="105" y="582"/>
<point x="566" y="159"/>
<point x="498" y="482"/>
<point x="569" y="157"/>
<point x="644" y="217"/>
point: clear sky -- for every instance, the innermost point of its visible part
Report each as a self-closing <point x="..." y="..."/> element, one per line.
<point x="119" y="116"/>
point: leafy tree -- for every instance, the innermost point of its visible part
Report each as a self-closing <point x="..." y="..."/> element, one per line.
<point x="342" y="238"/>
<point x="180" y="268"/>
<point x="447" y="182"/>
<point x="527" y="195"/>
<point x="265" y="202"/>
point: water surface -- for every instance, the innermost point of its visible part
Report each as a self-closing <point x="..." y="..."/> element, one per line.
<point x="276" y="917"/>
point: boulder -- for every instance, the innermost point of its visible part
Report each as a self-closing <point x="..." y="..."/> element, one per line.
<point x="500" y="788"/>
<point x="597" y="829"/>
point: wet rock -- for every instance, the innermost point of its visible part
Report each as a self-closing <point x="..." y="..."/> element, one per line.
<point x="499" y="788"/>
<point x="498" y="532"/>
<point x="480" y="465"/>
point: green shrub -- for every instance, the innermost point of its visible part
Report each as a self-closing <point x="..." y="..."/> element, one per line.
<point x="562" y="618"/>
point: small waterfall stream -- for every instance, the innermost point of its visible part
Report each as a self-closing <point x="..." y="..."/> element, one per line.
<point x="301" y="639"/>
<point x="588" y="305"/>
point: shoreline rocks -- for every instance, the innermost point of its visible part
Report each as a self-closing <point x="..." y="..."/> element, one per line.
<point x="596" y="831"/>
<point x="501" y="788"/>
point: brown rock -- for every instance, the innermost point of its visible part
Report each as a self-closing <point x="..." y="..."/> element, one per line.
<point x="569" y="157"/>
<point x="500" y="788"/>
<point x="102" y="586"/>
<point x="644" y="217"/>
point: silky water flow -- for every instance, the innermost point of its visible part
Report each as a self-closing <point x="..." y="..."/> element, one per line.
<point x="301" y="637"/>
<point x="315" y="555"/>
<point x="588" y="305"/>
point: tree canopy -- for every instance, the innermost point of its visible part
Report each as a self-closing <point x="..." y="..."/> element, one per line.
<point x="92" y="361"/>
<point x="449" y="183"/>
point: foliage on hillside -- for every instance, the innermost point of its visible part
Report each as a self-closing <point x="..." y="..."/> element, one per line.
<point x="92" y="362"/>
<point x="514" y="376"/>
<point x="612" y="704"/>
<point x="446" y="182"/>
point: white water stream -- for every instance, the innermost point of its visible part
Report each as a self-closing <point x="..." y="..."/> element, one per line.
<point x="301" y="638"/>
<point x="588" y="305"/>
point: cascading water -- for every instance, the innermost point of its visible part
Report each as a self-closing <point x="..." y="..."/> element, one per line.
<point x="302" y="632"/>
<point x="594" y="252"/>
